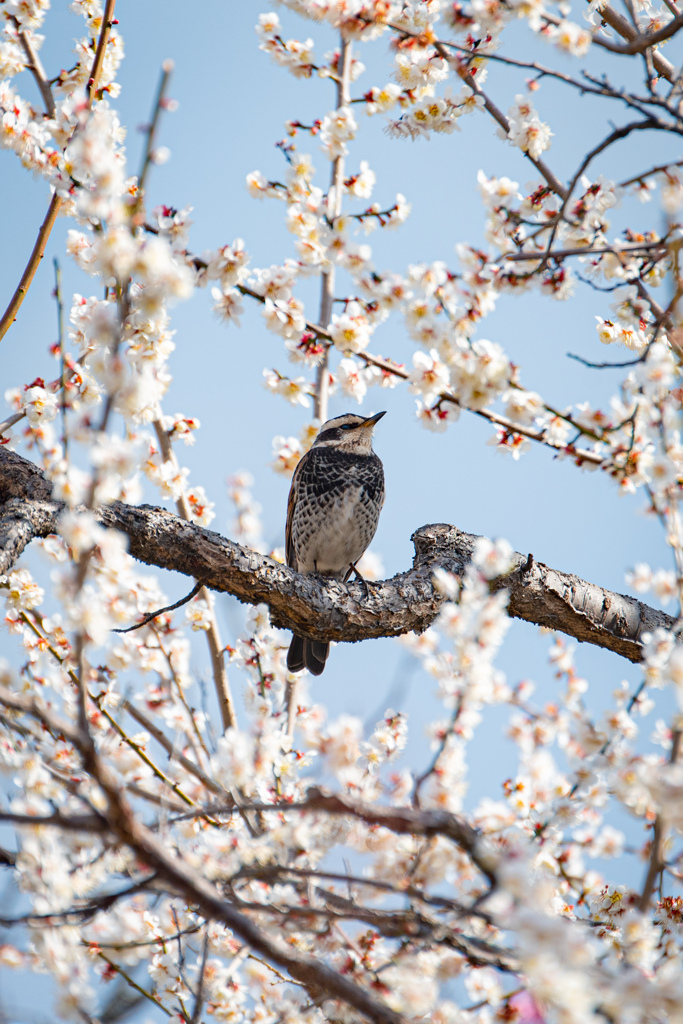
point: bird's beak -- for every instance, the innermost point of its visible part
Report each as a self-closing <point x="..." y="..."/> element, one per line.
<point x="372" y="420"/>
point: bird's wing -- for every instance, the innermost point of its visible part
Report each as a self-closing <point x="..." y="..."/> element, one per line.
<point x="290" y="553"/>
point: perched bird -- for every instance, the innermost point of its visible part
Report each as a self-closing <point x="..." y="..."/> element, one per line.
<point x="334" y="504"/>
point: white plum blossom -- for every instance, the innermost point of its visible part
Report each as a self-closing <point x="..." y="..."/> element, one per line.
<point x="21" y="591"/>
<point x="361" y="185"/>
<point x="434" y="115"/>
<point x="437" y="417"/>
<point x="492" y="558"/>
<point x="350" y="331"/>
<point x="284" y="317"/>
<point x="429" y="376"/>
<point x="526" y="129"/>
<point x="381" y="100"/>
<point x="287" y="451"/>
<point x="228" y="305"/>
<point x="338" y="127"/>
<point x="416" y="70"/>
<point x="572" y="38"/>
<point x="40" y="405"/>
<point x="479" y="373"/>
<point x="227" y="265"/>
<point x="497" y="192"/>
<point x="351" y="376"/>
<point x="295" y="390"/>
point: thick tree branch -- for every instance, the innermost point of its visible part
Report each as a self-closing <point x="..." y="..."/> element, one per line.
<point x="641" y="42"/>
<point x="623" y="27"/>
<point x="325" y="609"/>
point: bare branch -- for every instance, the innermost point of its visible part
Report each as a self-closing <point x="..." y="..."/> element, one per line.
<point x="105" y="32"/>
<point x="604" y="366"/>
<point x="160" y="611"/>
<point x="159" y="104"/>
<point x="624" y="28"/>
<point x="327" y="279"/>
<point x="402" y="820"/>
<point x="36" y="256"/>
<point x="647" y="174"/>
<point x="659" y="834"/>
<point x="70" y="823"/>
<point x="35" y="65"/>
<point x="558" y="254"/>
<point x="641" y="42"/>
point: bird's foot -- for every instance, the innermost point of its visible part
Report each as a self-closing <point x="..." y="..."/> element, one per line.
<point x="361" y="579"/>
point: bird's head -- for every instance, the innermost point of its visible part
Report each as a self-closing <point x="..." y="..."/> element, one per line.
<point x="348" y="433"/>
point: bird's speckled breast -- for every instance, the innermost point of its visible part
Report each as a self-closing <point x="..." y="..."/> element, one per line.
<point x="337" y="510"/>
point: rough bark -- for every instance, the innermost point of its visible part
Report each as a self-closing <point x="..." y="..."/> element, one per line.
<point x="324" y="609"/>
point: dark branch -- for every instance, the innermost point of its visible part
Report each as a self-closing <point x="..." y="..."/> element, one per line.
<point x="324" y="609"/>
<point x="161" y="611"/>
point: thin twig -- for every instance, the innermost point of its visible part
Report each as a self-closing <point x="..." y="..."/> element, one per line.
<point x="164" y="741"/>
<point x="174" y="786"/>
<point x="661" y="168"/>
<point x="62" y="365"/>
<point x="614" y="136"/>
<point x="34" y="65"/>
<point x="523" y="257"/>
<point x="199" y="996"/>
<point x="10" y="314"/>
<point x="580" y="454"/>
<point x="491" y="108"/>
<point x="659" y="832"/>
<point x="604" y="366"/>
<point x="159" y="104"/>
<point x="71" y="823"/>
<point x="133" y="984"/>
<point x="327" y="279"/>
<point x="162" y="611"/>
<point x="98" y="63"/>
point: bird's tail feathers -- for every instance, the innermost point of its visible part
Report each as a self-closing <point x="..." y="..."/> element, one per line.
<point x="310" y="654"/>
<point x="315" y="656"/>
<point x="295" y="654"/>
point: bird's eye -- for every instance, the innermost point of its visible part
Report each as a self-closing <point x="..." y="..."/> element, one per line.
<point x="348" y="426"/>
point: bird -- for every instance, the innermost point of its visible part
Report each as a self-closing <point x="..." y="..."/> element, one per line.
<point x="333" y="509"/>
